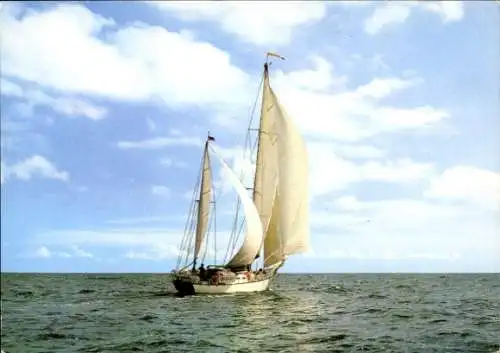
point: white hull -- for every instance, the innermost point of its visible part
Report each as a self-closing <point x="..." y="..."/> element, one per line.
<point x="254" y="286"/>
<point x="188" y="286"/>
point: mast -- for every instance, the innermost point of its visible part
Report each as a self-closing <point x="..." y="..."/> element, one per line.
<point x="203" y="201"/>
<point x="266" y="172"/>
<point x="280" y="195"/>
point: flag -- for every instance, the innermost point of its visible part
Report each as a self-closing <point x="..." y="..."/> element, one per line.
<point x="210" y="138"/>
<point x="276" y="55"/>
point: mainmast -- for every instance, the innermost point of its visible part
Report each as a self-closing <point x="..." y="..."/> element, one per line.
<point x="266" y="141"/>
<point x="265" y="178"/>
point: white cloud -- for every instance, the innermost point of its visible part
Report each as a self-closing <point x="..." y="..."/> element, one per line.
<point x="155" y="253"/>
<point x="74" y="251"/>
<point x="65" y="105"/>
<point x="392" y="13"/>
<point x="60" y="48"/>
<point x="142" y="62"/>
<point x="166" y="161"/>
<point x="467" y="183"/>
<point x="35" y="166"/>
<point x="77" y="252"/>
<point x="404" y="229"/>
<point x="135" y="243"/>
<point x="160" y="190"/>
<point x="169" y="162"/>
<point x="260" y="23"/>
<point x="2" y="173"/>
<point x="351" y="115"/>
<point x="141" y="220"/>
<point x="330" y="172"/>
<point x="43" y="252"/>
<point x="359" y="151"/>
<point x="160" y="142"/>
<point x="449" y="11"/>
<point x="151" y="124"/>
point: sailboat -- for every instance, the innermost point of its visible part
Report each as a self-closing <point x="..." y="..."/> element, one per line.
<point x="276" y="215"/>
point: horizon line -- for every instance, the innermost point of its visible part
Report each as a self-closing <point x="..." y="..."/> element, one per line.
<point x="283" y="273"/>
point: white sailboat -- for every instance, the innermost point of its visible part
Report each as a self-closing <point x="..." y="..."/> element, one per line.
<point x="276" y="216"/>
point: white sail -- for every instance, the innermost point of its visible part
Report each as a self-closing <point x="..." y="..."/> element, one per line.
<point x="254" y="233"/>
<point x="273" y="252"/>
<point x="293" y="195"/>
<point x="203" y="203"/>
<point x="266" y="174"/>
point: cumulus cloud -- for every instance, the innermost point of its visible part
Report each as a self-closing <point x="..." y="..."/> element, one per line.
<point x="35" y="166"/>
<point x="467" y="183"/>
<point x="354" y="114"/>
<point x="390" y="14"/>
<point x="269" y="23"/>
<point x="404" y="229"/>
<point x="32" y="98"/>
<point x="43" y="252"/>
<point x="61" y="48"/>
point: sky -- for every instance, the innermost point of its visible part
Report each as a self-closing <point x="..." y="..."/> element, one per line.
<point x="105" y="107"/>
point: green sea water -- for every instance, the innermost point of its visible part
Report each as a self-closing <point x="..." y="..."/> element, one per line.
<point x="302" y="313"/>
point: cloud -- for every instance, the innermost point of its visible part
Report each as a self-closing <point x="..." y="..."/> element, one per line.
<point x="403" y="229"/>
<point x="160" y="142"/>
<point x="330" y="172"/>
<point x="156" y="253"/>
<point x="43" y="252"/>
<point x="259" y="23"/>
<point x="33" y="98"/>
<point x="2" y="173"/>
<point x="169" y="162"/>
<point x="139" y="220"/>
<point x="391" y="13"/>
<point x="351" y="114"/>
<point x="62" y="49"/>
<point x="151" y="124"/>
<point x="388" y="14"/>
<point x="358" y="151"/>
<point x="74" y="251"/>
<point x="449" y="11"/>
<point x="467" y="183"/>
<point x="160" y="190"/>
<point x="77" y="252"/>
<point x="134" y="243"/>
<point x="35" y="166"/>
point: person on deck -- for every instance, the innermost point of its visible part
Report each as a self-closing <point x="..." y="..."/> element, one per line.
<point x="202" y="272"/>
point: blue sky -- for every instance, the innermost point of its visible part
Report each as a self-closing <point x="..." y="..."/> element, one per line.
<point x="105" y="106"/>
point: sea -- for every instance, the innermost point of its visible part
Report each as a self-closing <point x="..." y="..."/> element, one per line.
<point x="301" y="313"/>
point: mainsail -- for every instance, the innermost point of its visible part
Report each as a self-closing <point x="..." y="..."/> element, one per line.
<point x="253" y="238"/>
<point x="203" y="203"/>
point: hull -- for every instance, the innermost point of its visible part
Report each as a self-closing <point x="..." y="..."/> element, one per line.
<point x="189" y="288"/>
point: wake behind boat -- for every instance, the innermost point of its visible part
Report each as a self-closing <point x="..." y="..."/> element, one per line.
<point x="276" y="217"/>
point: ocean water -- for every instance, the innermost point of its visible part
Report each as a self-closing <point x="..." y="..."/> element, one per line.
<point x="302" y="313"/>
